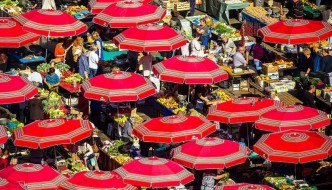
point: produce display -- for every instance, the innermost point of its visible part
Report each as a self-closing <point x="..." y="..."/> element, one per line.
<point x="52" y="104"/>
<point x="43" y="92"/>
<point x="168" y="103"/>
<point x="113" y="150"/>
<point x="109" y="46"/>
<point x="182" y="109"/>
<point x="62" y="67"/>
<point x="11" y="7"/>
<point x="222" y="96"/>
<point x="75" y="165"/>
<point x="43" y="68"/>
<point x="261" y="14"/>
<point x="13" y="124"/>
<point x="75" y="77"/>
<point x="121" y="119"/>
<point x="72" y="10"/>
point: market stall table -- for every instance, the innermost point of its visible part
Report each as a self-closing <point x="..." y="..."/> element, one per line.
<point x="33" y="59"/>
<point x="253" y="23"/>
<point x="220" y="10"/>
<point x="108" y="161"/>
<point x="160" y="109"/>
<point x="110" y="55"/>
<point x="288" y="99"/>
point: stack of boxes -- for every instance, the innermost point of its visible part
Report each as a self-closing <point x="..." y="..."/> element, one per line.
<point x="271" y="71"/>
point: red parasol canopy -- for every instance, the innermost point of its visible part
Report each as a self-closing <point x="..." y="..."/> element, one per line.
<point x="118" y="86"/>
<point x="241" y="110"/>
<point x="96" y="6"/>
<point x="15" y="89"/>
<point x="294" y="146"/>
<point x="174" y="129"/>
<point x="244" y="186"/>
<point x="154" y="172"/>
<point x="33" y="176"/>
<point x="50" y="132"/>
<point x="12" y="35"/>
<point x="3" y="135"/>
<point x="9" y="185"/>
<point x="296" y="31"/>
<point x="189" y="70"/>
<point x="126" y="14"/>
<point x="292" y="117"/>
<point x="150" y="38"/>
<point x="95" y="180"/>
<point x="201" y="154"/>
<point x="53" y="23"/>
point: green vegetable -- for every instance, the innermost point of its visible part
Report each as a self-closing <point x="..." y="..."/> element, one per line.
<point x="62" y="67"/>
<point x="44" y="67"/>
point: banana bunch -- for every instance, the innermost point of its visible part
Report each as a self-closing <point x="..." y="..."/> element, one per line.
<point x="123" y="159"/>
<point x="182" y="109"/>
<point x="162" y="100"/>
<point x="263" y="77"/>
<point x="223" y="96"/>
<point x="169" y="103"/>
<point x="121" y="119"/>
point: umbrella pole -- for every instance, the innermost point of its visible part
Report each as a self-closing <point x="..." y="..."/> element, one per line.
<point x="295" y="172"/>
<point x="248" y="134"/>
<point x="54" y="156"/>
<point x="188" y="93"/>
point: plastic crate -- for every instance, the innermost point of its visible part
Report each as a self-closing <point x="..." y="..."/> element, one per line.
<point x="182" y="6"/>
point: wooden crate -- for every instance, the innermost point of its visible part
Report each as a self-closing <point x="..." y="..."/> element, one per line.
<point x="167" y="5"/>
<point x="182" y="6"/>
<point x="174" y="1"/>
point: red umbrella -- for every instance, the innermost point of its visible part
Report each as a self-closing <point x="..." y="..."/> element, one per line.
<point x="96" y="6"/>
<point x="51" y="132"/>
<point x="149" y="38"/>
<point x="296" y="31"/>
<point x="33" y="176"/>
<point x="9" y="185"/>
<point x="292" y="117"/>
<point x="244" y="186"/>
<point x="189" y="70"/>
<point x="174" y="129"/>
<point x="118" y="87"/>
<point x="294" y="146"/>
<point x="95" y="180"/>
<point x="201" y="154"/>
<point x="15" y="89"/>
<point x="53" y="23"/>
<point x="12" y="35"/>
<point x="126" y="14"/>
<point x="154" y="172"/>
<point x="241" y="110"/>
<point x="3" y="135"/>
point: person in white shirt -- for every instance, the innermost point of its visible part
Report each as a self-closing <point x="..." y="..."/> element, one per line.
<point x="195" y="46"/>
<point x="93" y="61"/>
<point x="146" y="62"/>
<point x="49" y="4"/>
<point x="35" y="77"/>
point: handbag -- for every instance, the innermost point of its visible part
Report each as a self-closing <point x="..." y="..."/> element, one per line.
<point x="94" y="146"/>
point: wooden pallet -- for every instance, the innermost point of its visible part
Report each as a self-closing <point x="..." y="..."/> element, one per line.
<point x="182" y="6"/>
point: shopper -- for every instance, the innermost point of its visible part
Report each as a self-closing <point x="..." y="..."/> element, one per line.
<point x="258" y="53"/>
<point x="59" y="51"/>
<point x="35" y="77"/>
<point x="326" y="62"/>
<point x="98" y="42"/>
<point x="195" y="46"/>
<point x="203" y="29"/>
<point x="93" y="61"/>
<point x="307" y="62"/>
<point x="3" y="62"/>
<point x="146" y="62"/>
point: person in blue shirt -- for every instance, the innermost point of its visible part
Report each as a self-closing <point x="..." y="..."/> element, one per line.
<point x="51" y="79"/>
<point x="99" y="43"/>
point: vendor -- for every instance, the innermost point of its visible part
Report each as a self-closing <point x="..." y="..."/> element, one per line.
<point x="309" y="99"/>
<point x="238" y="59"/>
<point x="59" y="51"/>
<point x="52" y="80"/>
<point x="203" y="30"/>
<point x="307" y="63"/>
<point x="258" y="53"/>
<point x="228" y="46"/>
<point x="3" y="62"/>
<point x="298" y="9"/>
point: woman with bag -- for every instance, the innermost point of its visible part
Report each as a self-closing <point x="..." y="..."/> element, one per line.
<point x="88" y="155"/>
<point x="96" y="146"/>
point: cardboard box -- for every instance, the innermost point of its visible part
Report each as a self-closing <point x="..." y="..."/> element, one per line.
<point x="261" y="83"/>
<point x="274" y="75"/>
<point x="290" y="84"/>
<point x="244" y="83"/>
<point x="279" y="87"/>
<point x="269" y="68"/>
<point x="236" y="87"/>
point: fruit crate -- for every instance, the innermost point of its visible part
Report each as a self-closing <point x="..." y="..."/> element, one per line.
<point x="182" y="6"/>
<point x="167" y="5"/>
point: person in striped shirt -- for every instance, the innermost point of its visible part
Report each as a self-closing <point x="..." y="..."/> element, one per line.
<point x="298" y="9"/>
